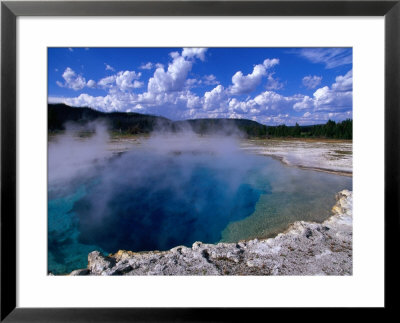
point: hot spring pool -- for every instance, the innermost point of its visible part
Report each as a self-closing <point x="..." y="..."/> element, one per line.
<point x="157" y="198"/>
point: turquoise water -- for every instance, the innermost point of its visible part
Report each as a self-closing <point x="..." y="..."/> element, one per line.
<point x="155" y="200"/>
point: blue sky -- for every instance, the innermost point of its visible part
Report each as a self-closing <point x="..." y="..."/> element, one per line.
<point x="269" y="85"/>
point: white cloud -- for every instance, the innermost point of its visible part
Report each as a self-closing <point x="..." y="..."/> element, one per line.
<point x="206" y="80"/>
<point x="242" y="107"/>
<point x="111" y="102"/>
<point x="328" y="99"/>
<point x="191" y="83"/>
<point x="91" y="84"/>
<point x="266" y="103"/>
<point x="344" y="83"/>
<point x="137" y="84"/>
<point x="174" y="54"/>
<point x="338" y="97"/>
<point x="192" y="100"/>
<point x="273" y="84"/>
<point x="268" y="107"/>
<point x="311" y="82"/>
<point x="215" y="99"/>
<point x="331" y="57"/>
<point x="268" y="63"/>
<point x="243" y="84"/>
<point x="195" y="52"/>
<point x="270" y="100"/>
<point x="306" y="103"/>
<point x="109" y="68"/>
<point x="72" y="80"/>
<point x="106" y="82"/>
<point x="147" y="66"/>
<point x="169" y="94"/>
<point x="172" y="79"/>
<point x="126" y="80"/>
<point x="210" y="79"/>
<point x="122" y="81"/>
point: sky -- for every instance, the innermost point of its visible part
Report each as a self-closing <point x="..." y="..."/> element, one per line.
<point x="269" y="85"/>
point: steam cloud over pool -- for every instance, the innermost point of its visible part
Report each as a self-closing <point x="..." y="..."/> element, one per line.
<point x="172" y="190"/>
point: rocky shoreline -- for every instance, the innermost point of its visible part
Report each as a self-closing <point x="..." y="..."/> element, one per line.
<point x="305" y="248"/>
<point x="333" y="157"/>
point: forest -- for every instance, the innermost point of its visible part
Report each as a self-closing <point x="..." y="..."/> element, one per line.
<point x="331" y="129"/>
<point x="135" y="123"/>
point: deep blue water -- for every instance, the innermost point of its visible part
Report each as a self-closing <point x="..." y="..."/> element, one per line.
<point x="149" y="200"/>
<point x="157" y="210"/>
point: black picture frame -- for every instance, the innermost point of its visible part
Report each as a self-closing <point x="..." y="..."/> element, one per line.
<point x="10" y="10"/>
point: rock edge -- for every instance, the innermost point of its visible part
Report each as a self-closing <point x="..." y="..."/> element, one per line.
<point x="305" y="248"/>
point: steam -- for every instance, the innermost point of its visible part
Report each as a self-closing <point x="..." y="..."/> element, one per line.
<point x="176" y="187"/>
<point x="77" y="151"/>
<point x="81" y="148"/>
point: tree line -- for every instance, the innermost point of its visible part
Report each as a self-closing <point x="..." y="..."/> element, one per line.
<point x="331" y="129"/>
<point x="136" y="123"/>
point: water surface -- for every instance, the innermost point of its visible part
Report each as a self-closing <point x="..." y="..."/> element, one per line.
<point x="154" y="198"/>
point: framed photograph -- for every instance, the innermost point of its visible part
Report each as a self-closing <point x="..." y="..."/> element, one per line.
<point x="161" y="158"/>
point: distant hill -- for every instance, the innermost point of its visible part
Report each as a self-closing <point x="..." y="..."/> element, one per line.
<point x="126" y="122"/>
<point x="135" y="123"/>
